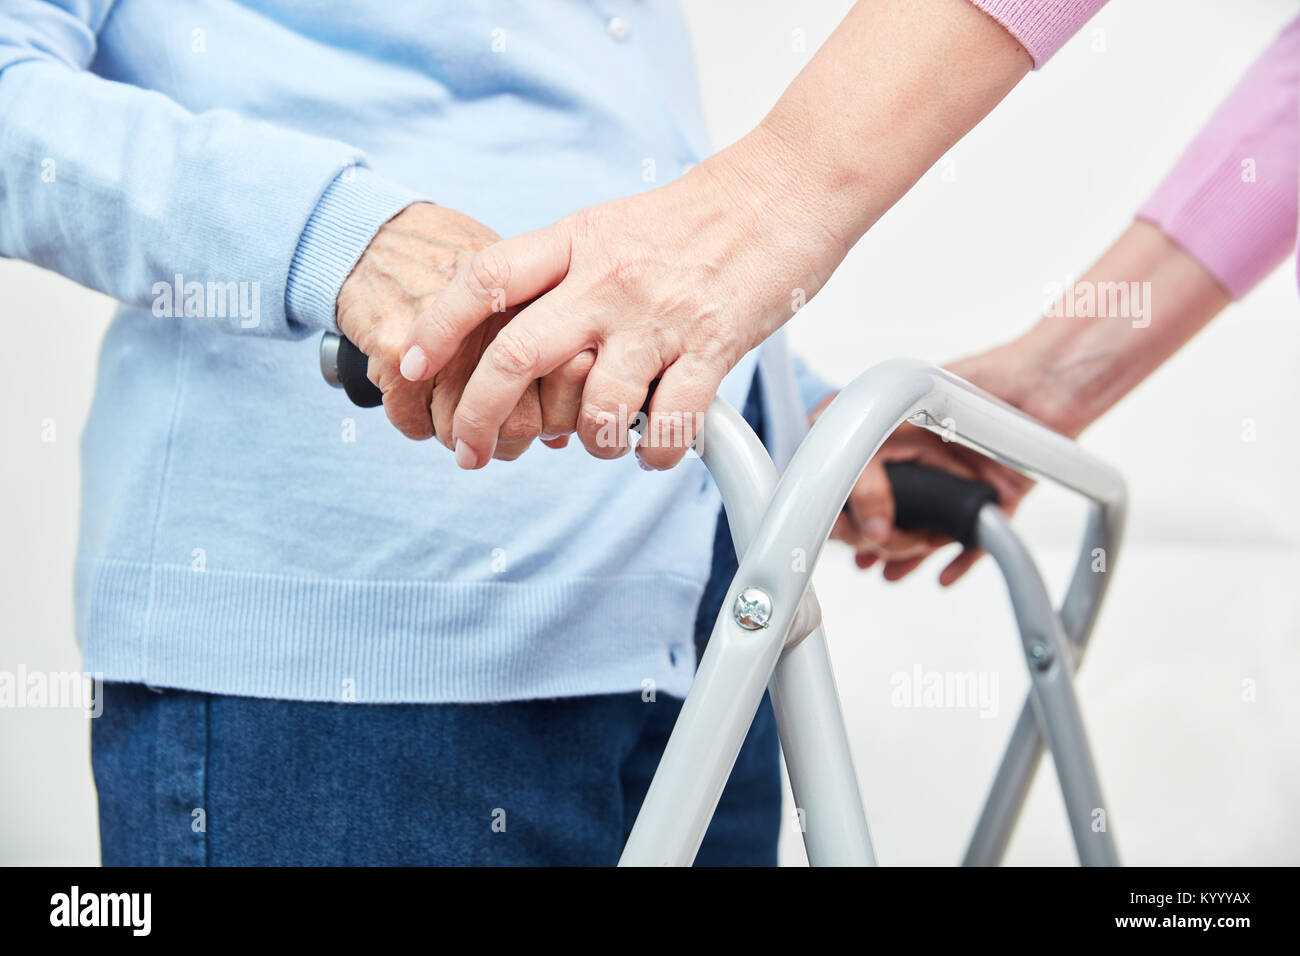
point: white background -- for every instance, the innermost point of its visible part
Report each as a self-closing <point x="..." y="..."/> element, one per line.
<point x="1205" y="596"/>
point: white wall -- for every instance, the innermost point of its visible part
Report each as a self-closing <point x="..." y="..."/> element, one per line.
<point x="1205" y="595"/>
<point x="52" y="330"/>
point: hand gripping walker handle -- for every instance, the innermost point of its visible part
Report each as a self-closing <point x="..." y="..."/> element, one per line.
<point x="343" y="365"/>
<point x="925" y="499"/>
<point x="931" y="499"/>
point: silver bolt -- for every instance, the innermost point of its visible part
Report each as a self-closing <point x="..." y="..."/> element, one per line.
<point x="1040" y="655"/>
<point x="753" y="609"/>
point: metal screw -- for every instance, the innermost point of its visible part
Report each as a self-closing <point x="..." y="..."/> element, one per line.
<point x="1040" y="655"/>
<point x="753" y="609"/>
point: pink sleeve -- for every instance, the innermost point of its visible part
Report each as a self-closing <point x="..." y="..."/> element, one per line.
<point x="1233" y="199"/>
<point x="1041" y="26"/>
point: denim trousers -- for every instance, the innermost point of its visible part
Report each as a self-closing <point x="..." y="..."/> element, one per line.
<point x="188" y="778"/>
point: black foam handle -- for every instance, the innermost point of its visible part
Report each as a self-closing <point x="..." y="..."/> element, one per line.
<point x="352" y="376"/>
<point x="931" y="499"/>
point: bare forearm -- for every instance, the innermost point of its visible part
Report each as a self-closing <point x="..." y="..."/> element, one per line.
<point x="1077" y="362"/>
<point x="893" y="88"/>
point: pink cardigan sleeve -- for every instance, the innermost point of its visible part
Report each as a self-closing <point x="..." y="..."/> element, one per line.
<point x="1041" y="26"/>
<point x="1233" y="199"/>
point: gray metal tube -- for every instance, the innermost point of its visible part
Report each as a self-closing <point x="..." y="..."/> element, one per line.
<point x="728" y="688"/>
<point x="988" y="844"/>
<point x="1050" y="660"/>
<point x="798" y="519"/>
<point x="1015" y="776"/>
<point x="818" y="757"/>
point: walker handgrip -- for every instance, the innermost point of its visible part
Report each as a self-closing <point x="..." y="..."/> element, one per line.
<point x="931" y="499"/>
<point x="343" y="365"/>
<point x="352" y="374"/>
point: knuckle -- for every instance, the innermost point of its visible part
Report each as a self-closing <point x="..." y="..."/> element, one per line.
<point x="488" y="274"/>
<point x="436" y="326"/>
<point x="468" y="421"/>
<point x="519" y="428"/>
<point x="584" y="223"/>
<point x="556" y="421"/>
<point x="412" y="426"/>
<point x="385" y="341"/>
<point x="516" y="353"/>
<point x="383" y="374"/>
<point x="624" y="276"/>
<point x="717" y="353"/>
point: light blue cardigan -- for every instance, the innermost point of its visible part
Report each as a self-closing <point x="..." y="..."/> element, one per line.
<point x="219" y="168"/>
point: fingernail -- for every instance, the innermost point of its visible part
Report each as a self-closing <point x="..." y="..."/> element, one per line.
<point x="642" y="463"/>
<point x="465" y="457"/>
<point x="414" y="364"/>
<point x="877" y="529"/>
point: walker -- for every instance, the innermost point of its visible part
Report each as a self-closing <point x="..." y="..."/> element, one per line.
<point x="769" y="635"/>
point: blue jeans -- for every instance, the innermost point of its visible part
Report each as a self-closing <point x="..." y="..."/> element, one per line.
<point x="188" y="778"/>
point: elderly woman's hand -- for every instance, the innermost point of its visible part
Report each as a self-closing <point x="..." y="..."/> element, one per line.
<point x="402" y="273"/>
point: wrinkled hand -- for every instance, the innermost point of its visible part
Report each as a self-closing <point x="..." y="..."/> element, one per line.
<point x="408" y="264"/>
<point x="868" y="527"/>
<point x="676" y="284"/>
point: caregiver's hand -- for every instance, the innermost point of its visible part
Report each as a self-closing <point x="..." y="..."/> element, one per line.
<point x="407" y="265"/>
<point x="681" y="281"/>
<point x="675" y="284"/>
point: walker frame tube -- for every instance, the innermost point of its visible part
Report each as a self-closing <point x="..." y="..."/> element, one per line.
<point x="780" y="532"/>
<point x="1052" y="696"/>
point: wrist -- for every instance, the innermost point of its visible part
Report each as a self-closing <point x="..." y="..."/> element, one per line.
<point x="770" y="175"/>
<point x="353" y="208"/>
<point x="408" y="219"/>
<point x="1030" y="377"/>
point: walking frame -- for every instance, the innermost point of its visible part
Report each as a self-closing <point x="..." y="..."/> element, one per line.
<point x="769" y="635"/>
